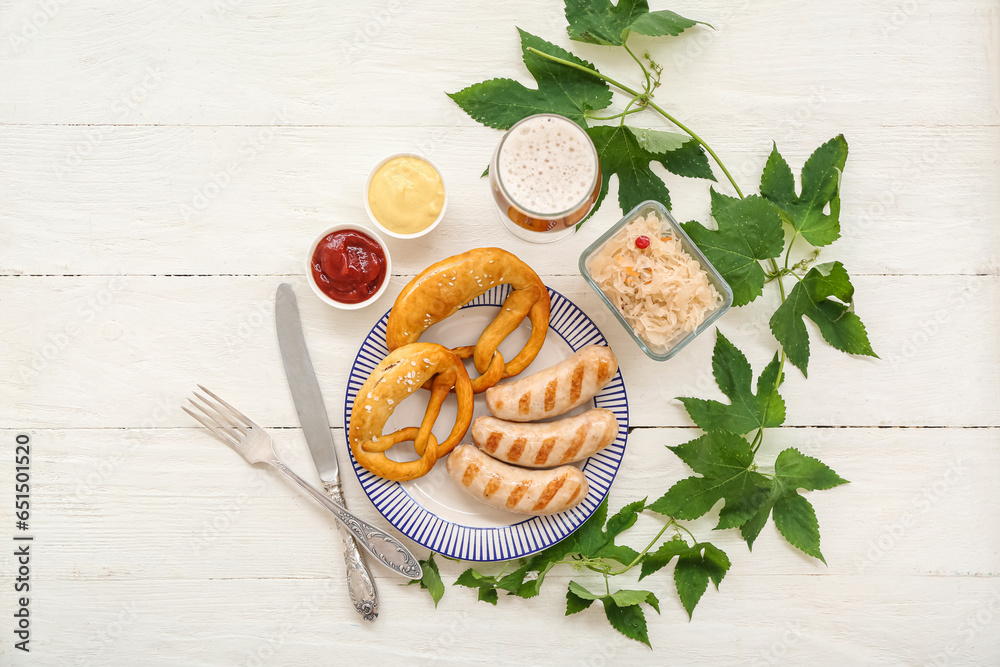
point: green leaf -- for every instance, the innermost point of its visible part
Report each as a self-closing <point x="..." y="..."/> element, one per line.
<point x="702" y="563"/>
<point x="795" y="519"/>
<point x="591" y="533"/>
<point x="690" y="160"/>
<point x="625" y="518"/>
<point x="776" y="181"/>
<point x="630" y="620"/>
<point x="587" y="539"/>
<point x="512" y="582"/>
<point x="563" y="90"/>
<point x="721" y="201"/>
<point x="431" y="579"/>
<point x="836" y="320"/>
<point x="659" y="141"/>
<point x="794" y="516"/>
<point x="652" y="601"/>
<point x="748" y="411"/>
<point x="679" y="153"/>
<point x="820" y="188"/>
<point x="691" y="580"/>
<point x="624" y="598"/>
<point x="657" y="560"/>
<point x="486" y="584"/>
<point x="580" y="591"/>
<point x="530" y="588"/>
<point x="621" y="608"/>
<point x="749" y="230"/>
<point x="620" y="153"/>
<point x="590" y="540"/>
<point x="724" y="460"/>
<point x="663" y="22"/>
<point x="600" y="22"/>
<point x="716" y="562"/>
<point x="576" y="603"/>
<point x="470" y="578"/>
<point x="751" y="529"/>
<point x="792" y="471"/>
<point x="618" y="552"/>
<point x="593" y="541"/>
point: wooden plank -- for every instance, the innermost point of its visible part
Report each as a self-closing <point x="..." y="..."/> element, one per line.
<point x="144" y="547"/>
<point x="183" y="200"/>
<point x="124" y="351"/>
<point x="236" y="62"/>
<point x="175" y="504"/>
<point x="757" y="620"/>
<point x="219" y="138"/>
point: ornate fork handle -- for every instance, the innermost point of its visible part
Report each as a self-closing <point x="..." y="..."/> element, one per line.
<point x="386" y="548"/>
<point x="359" y="579"/>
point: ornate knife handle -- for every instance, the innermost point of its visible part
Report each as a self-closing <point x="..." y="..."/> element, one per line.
<point x="359" y="579"/>
<point x="386" y="548"/>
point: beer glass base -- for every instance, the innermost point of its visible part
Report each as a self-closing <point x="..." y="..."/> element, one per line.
<point x="528" y="235"/>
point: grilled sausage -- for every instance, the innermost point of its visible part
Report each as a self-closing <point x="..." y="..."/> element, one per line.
<point x="553" y="391"/>
<point x="548" y="443"/>
<point x="516" y="489"/>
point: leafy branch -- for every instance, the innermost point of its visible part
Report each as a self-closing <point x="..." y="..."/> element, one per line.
<point x="594" y="548"/>
<point x="751" y="234"/>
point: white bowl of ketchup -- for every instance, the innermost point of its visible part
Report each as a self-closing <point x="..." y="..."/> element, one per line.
<point x="348" y="266"/>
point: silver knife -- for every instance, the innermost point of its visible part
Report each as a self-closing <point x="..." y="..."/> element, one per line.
<point x="316" y="428"/>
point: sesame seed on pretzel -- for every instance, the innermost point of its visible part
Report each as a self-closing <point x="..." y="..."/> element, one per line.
<point x="442" y="288"/>
<point x="396" y="377"/>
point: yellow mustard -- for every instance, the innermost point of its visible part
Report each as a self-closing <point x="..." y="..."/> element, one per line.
<point x="406" y="195"/>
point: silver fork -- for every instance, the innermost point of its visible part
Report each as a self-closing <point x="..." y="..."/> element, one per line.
<point x="255" y="445"/>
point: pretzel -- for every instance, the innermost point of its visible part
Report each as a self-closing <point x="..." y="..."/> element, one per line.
<point x="442" y="288"/>
<point x="405" y="369"/>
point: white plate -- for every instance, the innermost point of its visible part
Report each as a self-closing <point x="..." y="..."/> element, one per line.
<point x="431" y="510"/>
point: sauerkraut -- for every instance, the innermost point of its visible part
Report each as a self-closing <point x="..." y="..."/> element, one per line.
<point x="662" y="292"/>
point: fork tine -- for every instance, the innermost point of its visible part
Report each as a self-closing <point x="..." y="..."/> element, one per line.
<point x="246" y="420"/>
<point x="217" y="412"/>
<point x="218" y="432"/>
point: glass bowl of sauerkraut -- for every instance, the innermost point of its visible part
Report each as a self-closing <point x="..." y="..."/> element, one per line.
<point x="655" y="280"/>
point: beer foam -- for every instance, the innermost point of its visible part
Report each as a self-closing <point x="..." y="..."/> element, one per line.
<point x="547" y="165"/>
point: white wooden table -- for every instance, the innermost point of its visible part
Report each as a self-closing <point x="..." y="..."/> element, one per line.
<point x="165" y="166"/>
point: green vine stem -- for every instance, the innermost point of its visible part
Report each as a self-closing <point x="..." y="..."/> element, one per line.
<point x="592" y="72"/>
<point x="652" y="105"/>
<point x="624" y="113"/>
<point x="649" y="546"/>
<point x="645" y="72"/>
<point x="645" y="99"/>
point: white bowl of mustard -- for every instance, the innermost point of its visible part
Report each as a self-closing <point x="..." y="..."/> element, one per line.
<point x="405" y="196"/>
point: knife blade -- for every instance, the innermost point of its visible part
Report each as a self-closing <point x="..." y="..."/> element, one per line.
<point x="316" y="428"/>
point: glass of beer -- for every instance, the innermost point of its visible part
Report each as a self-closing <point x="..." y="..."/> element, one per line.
<point x="545" y="177"/>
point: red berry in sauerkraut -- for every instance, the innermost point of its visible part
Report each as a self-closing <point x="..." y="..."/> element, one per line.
<point x="662" y="291"/>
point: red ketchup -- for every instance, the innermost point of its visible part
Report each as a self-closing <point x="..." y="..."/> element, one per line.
<point x="348" y="266"/>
